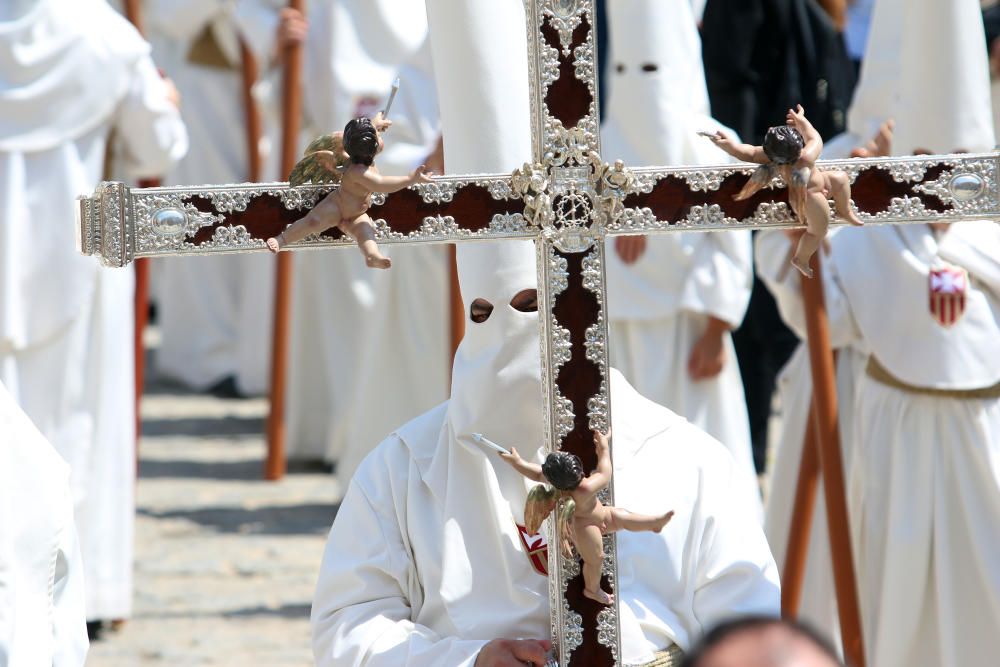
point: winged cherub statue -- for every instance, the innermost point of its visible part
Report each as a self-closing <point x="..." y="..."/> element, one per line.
<point x="791" y="151"/>
<point x="347" y="158"/>
<point x="585" y="518"/>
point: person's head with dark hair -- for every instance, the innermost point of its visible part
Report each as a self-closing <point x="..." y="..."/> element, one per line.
<point x="783" y="144"/>
<point x="763" y="641"/>
<point x="362" y="141"/>
<point x="563" y="470"/>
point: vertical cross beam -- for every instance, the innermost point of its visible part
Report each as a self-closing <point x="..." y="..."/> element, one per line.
<point x="565" y="145"/>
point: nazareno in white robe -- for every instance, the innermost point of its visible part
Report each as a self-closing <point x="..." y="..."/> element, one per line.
<point x="659" y="306"/>
<point x="66" y="323"/>
<point x="401" y="582"/>
<point x="211" y="309"/>
<point x="424" y="563"/>
<point x="406" y="356"/>
<point x="925" y="495"/>
<point x="336" y="299"/>
<point x="42" y="613"/>
<point x="818" y="604"/>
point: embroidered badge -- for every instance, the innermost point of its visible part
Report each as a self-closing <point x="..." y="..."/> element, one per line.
<point x="947" y="287"/>
<point x="537" y="549"/>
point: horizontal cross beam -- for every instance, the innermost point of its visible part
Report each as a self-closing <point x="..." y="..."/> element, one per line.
<point x="119" y="223"/>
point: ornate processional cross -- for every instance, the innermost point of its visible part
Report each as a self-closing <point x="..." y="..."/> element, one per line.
<point x="567" y="201"/>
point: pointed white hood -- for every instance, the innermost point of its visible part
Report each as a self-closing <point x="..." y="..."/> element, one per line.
<point x="943" y="102"/>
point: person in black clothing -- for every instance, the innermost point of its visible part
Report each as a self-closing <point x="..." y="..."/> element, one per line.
<point x="763" y="57"/>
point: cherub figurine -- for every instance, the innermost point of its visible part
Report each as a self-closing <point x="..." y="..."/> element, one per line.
<point x="791" y="151"/>
<point x="347" y="157"/>
<point x="585" y="519"/>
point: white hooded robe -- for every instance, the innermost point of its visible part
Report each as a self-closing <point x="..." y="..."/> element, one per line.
<point x="69" y="73"/>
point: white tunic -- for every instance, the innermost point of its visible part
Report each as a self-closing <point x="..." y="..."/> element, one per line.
<point x="348" y="320"/>
<point x="925" y="477"/>
<point x="659" y="306"/>
<point x="65" y="323"/>
<point x="212" y="308"/>
<point x="42" y="614"/>
<point x="407" y="350"/>
<point x="400" y="584"/>
<point x="818" y="604"/>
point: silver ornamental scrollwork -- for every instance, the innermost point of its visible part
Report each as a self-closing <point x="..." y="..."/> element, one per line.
<point x="508" y="223"/>
<point x="235" y="237"/>
<point x="500" y="189"/>
<point x="112" y="224"/>
<point x="151" y="237"/>
<point x="906" y="207"/>
<point x="565" y="16"/>
<point x="709" y="215"/>
<point x="562" y="346"/>
<point x="302" y="197"/>
<point x="438" y="192"/>
<point x="970" y="188"/>
<point x="230" y="201"/>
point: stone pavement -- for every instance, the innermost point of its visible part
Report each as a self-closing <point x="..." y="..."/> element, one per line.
<point x="225" y="563"/>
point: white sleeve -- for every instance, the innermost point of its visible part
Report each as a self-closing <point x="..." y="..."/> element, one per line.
<point x="184" y="19"/>
<point x="722" y="277"/>
<point x="975" y="246"/>
<point x="784" y="282"/>
<point x="148" y="126"/>
<point x="69" y="613"/>
<point x="361" y="616"/>
<point x="736" y="573"/>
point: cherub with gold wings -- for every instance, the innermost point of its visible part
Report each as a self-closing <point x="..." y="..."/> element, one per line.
<point x="347" y="158"/>
<point x="791" y="151"/>
<point x="585" y="518"/>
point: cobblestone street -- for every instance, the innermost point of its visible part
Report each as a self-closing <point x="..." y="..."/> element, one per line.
<point x="225" y="563"/>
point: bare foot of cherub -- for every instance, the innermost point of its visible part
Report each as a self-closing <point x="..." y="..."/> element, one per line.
<point x="663" y="521"/>
<point x="804" y="269"/>
<point x="600" y="596"/>
<point x="274" y="244"/>
<point x="373" y="257"/>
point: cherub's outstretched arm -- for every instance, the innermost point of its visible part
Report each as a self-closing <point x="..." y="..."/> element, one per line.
<point x="375" y="182"/>
<point x="813" y="141"/>
<point x="738" y="150"/>
<point x="532" y="471"/>
<point x="601" y="477"/>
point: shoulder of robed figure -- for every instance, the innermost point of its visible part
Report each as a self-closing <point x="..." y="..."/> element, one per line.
<point x="644" y="431"/>
<point x="411" y="445"/>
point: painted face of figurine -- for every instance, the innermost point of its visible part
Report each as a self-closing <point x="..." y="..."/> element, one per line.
<point x="496" y="380"/>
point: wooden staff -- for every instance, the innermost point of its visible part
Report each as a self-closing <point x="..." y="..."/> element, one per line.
<point x="831" y="464"/>
<point x="274" y="467"/>
<point x="254" y="130"/>
<point x="803" y="510"/>
<point x="141" y="298"/>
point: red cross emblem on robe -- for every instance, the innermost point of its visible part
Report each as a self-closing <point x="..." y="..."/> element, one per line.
<point x="536" y="548"/>
<point x="946" y="290"/>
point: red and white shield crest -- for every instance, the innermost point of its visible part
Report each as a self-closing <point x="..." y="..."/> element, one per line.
<point x="946" y="290"/>
<point x="537" y="549"/>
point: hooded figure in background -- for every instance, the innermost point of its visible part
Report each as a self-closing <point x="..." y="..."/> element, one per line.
<point x="354" y="50"/>
<point x="673" y="299"/>
<point x="925" y="440"/>
<point x="70" y="71"/>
